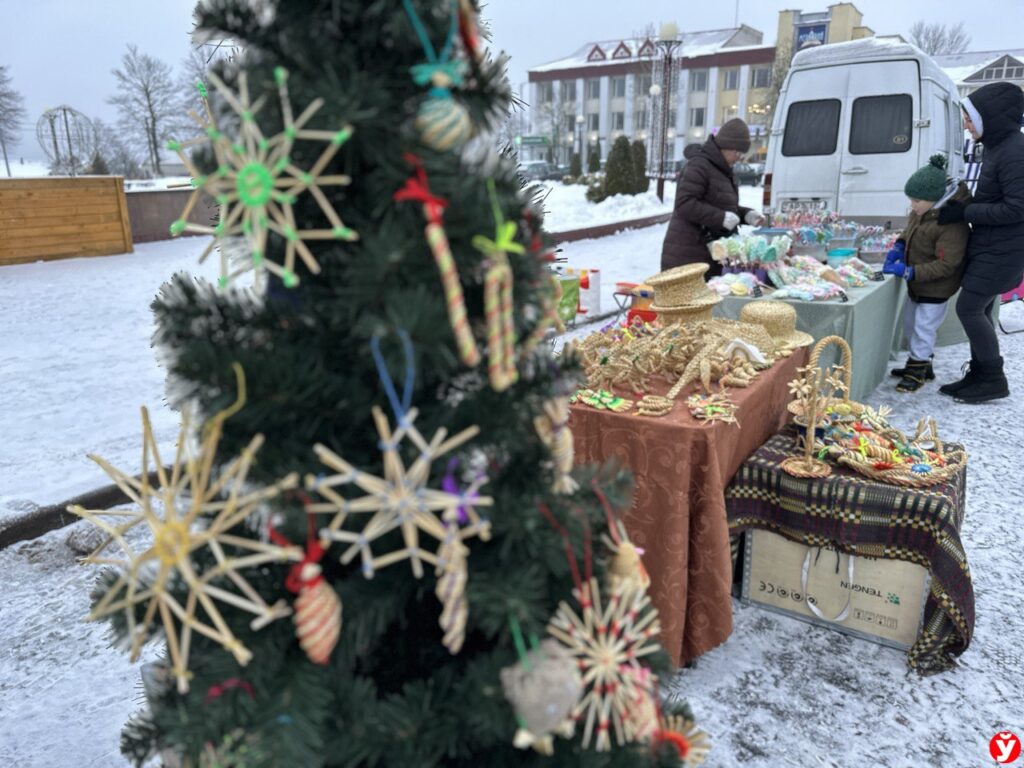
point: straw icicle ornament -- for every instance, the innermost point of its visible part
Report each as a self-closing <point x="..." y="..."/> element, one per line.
<point x="553" y="428"/>
<point x="453" y="573"/>
<point x="498" y="307"/>
<point x="417" y="189"/>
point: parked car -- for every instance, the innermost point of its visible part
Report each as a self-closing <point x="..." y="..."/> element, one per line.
<point x="853" y="121"/>
<point x="537" y="170"/>
<point x="746" y="174"/>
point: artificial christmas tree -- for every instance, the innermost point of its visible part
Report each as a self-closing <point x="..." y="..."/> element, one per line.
<point x="446" y="573"/>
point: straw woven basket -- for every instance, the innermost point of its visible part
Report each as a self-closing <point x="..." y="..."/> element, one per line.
<point x="842" y="405"/>
<point x="681" y="286"/>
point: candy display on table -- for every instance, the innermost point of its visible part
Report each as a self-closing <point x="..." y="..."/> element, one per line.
<point x="750" y="253"/>
<point x="736" y="284"/>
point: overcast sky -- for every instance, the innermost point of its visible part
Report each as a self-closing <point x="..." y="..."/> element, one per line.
<point x="62" y="51"/>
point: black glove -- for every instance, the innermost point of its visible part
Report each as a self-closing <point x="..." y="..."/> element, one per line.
<point x="952" y="212"/>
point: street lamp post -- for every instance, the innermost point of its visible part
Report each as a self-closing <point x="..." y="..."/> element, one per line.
<point x="579" y="131"/>
<point x="668" y="42"/>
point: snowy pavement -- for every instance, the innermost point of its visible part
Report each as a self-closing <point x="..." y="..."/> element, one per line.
<point x="566" y="206"/>
<point x="75" y="364"/>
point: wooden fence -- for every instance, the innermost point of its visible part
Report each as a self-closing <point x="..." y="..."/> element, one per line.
<point x="61" y="218"/>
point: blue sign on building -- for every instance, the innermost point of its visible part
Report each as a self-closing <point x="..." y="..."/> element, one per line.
<point x="812" y="34"/>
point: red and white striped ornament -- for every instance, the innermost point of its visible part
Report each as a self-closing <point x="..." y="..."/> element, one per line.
<point x="317" y="615"/>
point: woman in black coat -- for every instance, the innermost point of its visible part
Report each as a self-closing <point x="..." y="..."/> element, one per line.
<point x="995" y="251"/>
<point x="707" y="204"/>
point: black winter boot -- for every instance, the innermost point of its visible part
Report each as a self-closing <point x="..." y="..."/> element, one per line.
<point x="914" y="375"/>
<point x="925" y="367"/>
<point x="989" y="383"/>
<point x="969" y="373"/>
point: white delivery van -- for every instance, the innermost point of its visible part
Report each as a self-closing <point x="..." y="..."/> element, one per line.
<point x="853" y="121"/>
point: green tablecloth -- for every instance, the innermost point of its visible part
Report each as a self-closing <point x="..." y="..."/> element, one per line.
<point x="871" y="322"/>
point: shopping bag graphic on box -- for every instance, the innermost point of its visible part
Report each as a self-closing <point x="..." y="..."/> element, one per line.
<point x="570" y="300"/>
<point x="590" y="289"/>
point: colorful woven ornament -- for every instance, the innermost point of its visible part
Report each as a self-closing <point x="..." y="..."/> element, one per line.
<point x="601" y="399"/>
<point x="443" y="123"/>
<point x="553" y="428"/>
<point x="256" y="183"/>
<point x="417" y="189"/>
<point x="498" y="308"/>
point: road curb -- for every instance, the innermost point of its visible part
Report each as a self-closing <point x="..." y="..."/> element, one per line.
<point x="604" y="230"/>
<point x="50" y="518"/>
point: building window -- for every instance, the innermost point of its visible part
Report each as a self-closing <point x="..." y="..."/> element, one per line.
<point x="545" y="93"/>
<point x="618" y="121"/>
<point x="1014" y="73"/>
<point x="593" y="88"/>
<point x="643" y="85"/>
<point x="618" y="87"/>
<point x="992" y="73"/>
<point x="728" y="113"/>
<point x="699" y="80"/>
<point x="640" y="120"/>
<point x="732" y="80"/>
<point x="568" y="90"/>
<point x="593" y="122"/>
<point x="697" y="117"/>
<point x="760" y="77"/>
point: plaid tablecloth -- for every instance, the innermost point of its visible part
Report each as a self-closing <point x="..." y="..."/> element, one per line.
<point x="861" y="516"/>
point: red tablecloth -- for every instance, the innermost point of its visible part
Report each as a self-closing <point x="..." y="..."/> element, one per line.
<point x="682" y="467"/>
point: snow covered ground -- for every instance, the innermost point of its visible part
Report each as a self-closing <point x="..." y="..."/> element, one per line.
<point x="29" y="169"/>
<point x="75" y="364"/>
<point x="567" y="207"/>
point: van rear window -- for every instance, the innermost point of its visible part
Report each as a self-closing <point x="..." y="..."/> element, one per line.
<point x="812" y="128"/>
<point x="881" y="124"/>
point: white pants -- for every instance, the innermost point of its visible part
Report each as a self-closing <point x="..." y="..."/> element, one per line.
<point x="920" y="324"/>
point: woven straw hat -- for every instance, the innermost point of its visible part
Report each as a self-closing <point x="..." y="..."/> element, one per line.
<point x="688" y="313"/>
<point x="682" y="287"/>
<point x="779" y="319"/>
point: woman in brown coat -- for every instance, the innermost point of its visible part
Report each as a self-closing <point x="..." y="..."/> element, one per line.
<point x="707" y="200"/>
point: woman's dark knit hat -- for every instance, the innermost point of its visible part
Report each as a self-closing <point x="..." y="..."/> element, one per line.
<point x="734" y="135"/>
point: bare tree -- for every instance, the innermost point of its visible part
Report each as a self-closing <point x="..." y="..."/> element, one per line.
<point x="148" y="101"/>
<point x="935" y="38"/>
<point x="119" y="157"/>
<point x="12" y="115"/>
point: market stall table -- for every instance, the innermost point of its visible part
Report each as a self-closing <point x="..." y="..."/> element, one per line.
<point x="681" y="467"/>
<point x="865" y="517"/>
<point x="871" y="321"/>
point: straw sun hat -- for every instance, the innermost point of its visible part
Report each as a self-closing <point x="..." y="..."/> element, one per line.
<point x="779" y="319"/>
<point x="681" y="295"/>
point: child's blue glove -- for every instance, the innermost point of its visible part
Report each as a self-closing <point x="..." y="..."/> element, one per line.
<point x="900" y="269"/>
<point x="895" y="254"/>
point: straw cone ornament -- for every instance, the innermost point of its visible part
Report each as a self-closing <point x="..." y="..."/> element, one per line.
<point x="608" y="640"/>
<point x="256" y="183"/>
<point x="399" y="500"/>
<point x="553" y="428"/>
<point x="199" y="510"/>
<point x="317" y="615"/>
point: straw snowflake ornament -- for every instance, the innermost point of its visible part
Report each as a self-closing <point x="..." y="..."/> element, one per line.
<point x="189" y="510"/>
<point x="256" y="183"/>
<point x="400" y="499"/>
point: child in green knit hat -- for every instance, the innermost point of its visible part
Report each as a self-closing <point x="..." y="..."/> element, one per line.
<point x="930" y="258"/>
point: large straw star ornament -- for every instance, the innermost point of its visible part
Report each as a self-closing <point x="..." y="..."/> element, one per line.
<point x="256" y="182"/>
<point x="190" y="509"/>
<point x="399" y="500"/>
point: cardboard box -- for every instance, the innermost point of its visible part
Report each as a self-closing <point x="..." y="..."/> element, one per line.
<point x="883" y="602"/>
